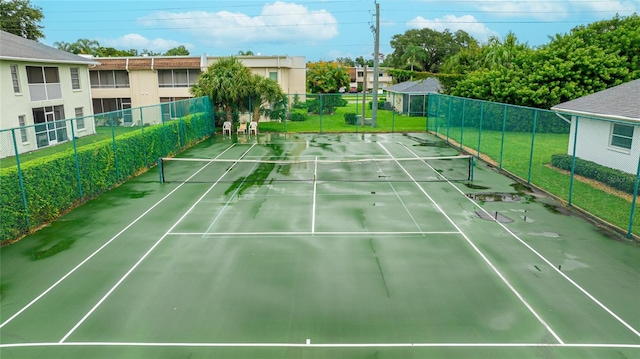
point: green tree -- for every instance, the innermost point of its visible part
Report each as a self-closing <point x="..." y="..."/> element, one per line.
<point x="327" y="77"/>
<point x="414" y="56"/>
<point x="245" y="53"/>
<point x="263" y="92"/>
<point x="227" y="82"/>
<point x="438" y="46"/>
<point x="177" y="51"/>
<point x="346" y="61"/>
<point x="21" y="18"/>
<point x="82" y="46"/>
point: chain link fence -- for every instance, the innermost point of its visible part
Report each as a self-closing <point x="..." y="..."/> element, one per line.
<point x="50" y="167"/>
<point x="588" y="162"/>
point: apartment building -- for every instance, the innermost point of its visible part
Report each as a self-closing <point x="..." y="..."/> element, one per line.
<point x="362" y="75"/>
<point x="125" y="82"/>
<point x="40" y="86"/>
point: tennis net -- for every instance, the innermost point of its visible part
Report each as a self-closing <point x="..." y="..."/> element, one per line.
<point x="418" y="169"/>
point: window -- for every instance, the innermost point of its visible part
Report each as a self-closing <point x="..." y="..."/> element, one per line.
<point x="23" y="131"/>
<point x="75" y="78"/>
<point x="50" y="126"/>
<point x="15" y="79"/>
<point x="273" y="75"/>
<point x="44" y="83"/>
<point x="79" y="118"/>
<point x="621" y="135"/>
<point x="178" y="77"/>
<point x="119" y="108"/>
<point x="109" y="79"/>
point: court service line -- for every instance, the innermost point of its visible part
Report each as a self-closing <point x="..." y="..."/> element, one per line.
<point x="575" y="284"/>
<point x="105" y="244"/>
<point x="258" y="234"/>
<point x="309" y="344"/>
<point x="489" y="263"/>
<point x="147" y="253"/>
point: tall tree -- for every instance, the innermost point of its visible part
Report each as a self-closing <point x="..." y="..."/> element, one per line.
<point x="245" y="53"/>
<point x="414" y="56"/>
<point x="21" y="18"/>
<point x="438" y="46"/>
<point x="346" y="61"/>
<point x="262" y="92"/>
<point x="326" y="77"/>
<point x="82" y="46"/>
<point x="177" y="51"/>
<point x="226" y="82"/>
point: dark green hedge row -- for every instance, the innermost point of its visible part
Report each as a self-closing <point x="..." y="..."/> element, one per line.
<point x="55" y="184"/>
<point x="611" y="177"/>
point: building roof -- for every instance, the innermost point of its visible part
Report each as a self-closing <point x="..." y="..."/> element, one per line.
<point x="13" y="47"/>
<point x="148" y="63"/>
<point x="621" y="102"/>
<point x="427" y="85"/>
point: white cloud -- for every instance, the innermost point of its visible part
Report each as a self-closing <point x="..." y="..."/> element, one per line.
<point x="277" y="22"/>
<point x="525" y="8"/>
<point x="139" y="42"/>
<point x="610" y="7"/>
<point x="454" y="23"/>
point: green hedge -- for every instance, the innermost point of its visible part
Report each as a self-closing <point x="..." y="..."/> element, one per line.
<point x="51" y="183"/>
<point x="611" y="177"/>
<point x="350" y="118"/>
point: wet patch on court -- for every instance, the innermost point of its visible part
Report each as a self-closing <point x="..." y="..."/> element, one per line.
<point x="494" y="216"/>
<point x="46" y="250"/>
<point x="495" y="197"/>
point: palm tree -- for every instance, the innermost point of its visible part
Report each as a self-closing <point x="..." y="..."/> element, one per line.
<point x="414" y="56"/>
<point x="262" y="91"/>
<point x="226" y="82"/>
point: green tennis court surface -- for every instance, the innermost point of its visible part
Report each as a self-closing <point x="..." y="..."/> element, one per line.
<point x="289" y="258"/>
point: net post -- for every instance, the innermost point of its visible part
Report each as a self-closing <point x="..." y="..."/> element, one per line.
<point x="472" y="163"/>
<point x="161" y="169"/>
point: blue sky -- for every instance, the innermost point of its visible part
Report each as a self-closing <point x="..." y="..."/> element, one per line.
<point x="318" y="30"/>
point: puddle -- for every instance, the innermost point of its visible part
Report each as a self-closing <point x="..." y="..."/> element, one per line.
<point x="545" y="234"/>
<point x="63" y="245"/>
<point x="475" y="186"/>
<point x="495" y="197"/>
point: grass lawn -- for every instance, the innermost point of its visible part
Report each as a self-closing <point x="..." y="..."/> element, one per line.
<point x="515" y="159"/>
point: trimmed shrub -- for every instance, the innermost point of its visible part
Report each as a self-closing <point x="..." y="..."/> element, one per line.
<point x="614" y="178"/>
<point x="299" y="114"/>
<point x="350" y="118"/>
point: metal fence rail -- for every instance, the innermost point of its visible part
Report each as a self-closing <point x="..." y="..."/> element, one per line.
<point x="523" y="141"/>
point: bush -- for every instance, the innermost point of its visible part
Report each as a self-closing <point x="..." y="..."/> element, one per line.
<point x="614" y="178"/>
<point x="329" y="103"/>
<point x="350" y="118"/>
<point x="380" y="104"/>
<point x="298" y="114"/>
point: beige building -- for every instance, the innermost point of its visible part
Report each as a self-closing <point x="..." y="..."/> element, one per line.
<point x="40" y="87"/>
<point x="126" y="82"/>
<point x="358" y="78"/>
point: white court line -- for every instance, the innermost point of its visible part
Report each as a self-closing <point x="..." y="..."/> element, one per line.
<point x="500" y="275"/>
<point x="258" y="234"/>
<point x="576" y="285"/>
<point x="146" y="254"/>
<point x="309" y="344"/>
<point x="230" y="198"/>
<point x="104" y="245"/>
<point x="315" y="187"/>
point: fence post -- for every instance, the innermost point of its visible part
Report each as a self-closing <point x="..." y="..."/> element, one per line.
<point x="320" y="95"/>
<point x="393" y="112"/>
<point x="75" y="155"/>
<point x="573" y="161"/>
<point x="144" y="140"/>
<point x="464" y="105"/>
<point x="533" y="136"/>
<point x="504" y="127"/>
<point x="21" y="180"/>
<point x="633" y="202"/>
<point x="113" y="142"/>
<point x="449" y="118"/>
<point x="480" y="127"/>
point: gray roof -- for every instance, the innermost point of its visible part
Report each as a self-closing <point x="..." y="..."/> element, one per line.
<point x="621" y="102"/>
<point x="430" y="84"/>
<point x="13" y="47"/>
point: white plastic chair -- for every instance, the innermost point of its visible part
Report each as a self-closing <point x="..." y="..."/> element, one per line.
<point x="242" y="129"/>
<point x="226" y="128"/>
<point x="253" y="128"/>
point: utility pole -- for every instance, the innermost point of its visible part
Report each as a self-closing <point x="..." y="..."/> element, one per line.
<point x="376" y="60"/>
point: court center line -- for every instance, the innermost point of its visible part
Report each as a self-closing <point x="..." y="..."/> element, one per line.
<point x="475" y="248"/>
<point x="315" y="187"/>
<point x="104" y="245"/>
<point x="147" y="253"/>
<point x="326" y="345"/>
<point x="258" y="234"/>
<point x="575" y="284"/>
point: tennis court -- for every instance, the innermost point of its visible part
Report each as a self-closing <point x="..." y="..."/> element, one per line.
<point x="321" y="246"/>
